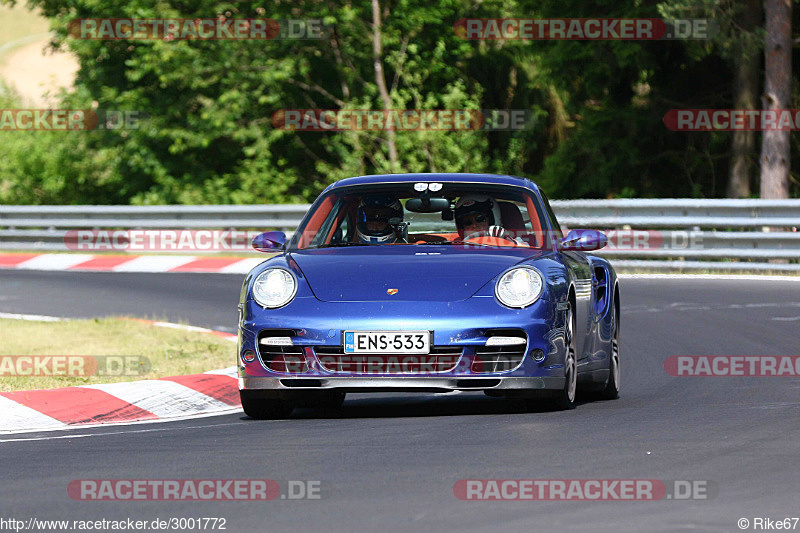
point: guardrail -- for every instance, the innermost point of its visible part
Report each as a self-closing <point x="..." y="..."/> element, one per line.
<point x="743" y="235"/>
<point x="659" y="234"/>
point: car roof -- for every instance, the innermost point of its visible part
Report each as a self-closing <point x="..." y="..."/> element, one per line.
<point x="499" y="179"/>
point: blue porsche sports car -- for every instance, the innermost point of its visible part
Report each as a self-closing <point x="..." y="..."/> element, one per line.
<point x="428" y="283"/>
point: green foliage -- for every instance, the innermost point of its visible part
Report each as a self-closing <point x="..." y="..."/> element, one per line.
<point x="598" y="105"/>
<point x="54" y="167"/>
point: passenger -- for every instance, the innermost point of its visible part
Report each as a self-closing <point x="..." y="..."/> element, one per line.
<point x="478" y="215"/>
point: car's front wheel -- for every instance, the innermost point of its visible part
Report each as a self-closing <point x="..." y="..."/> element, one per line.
<point x="264" y="408"/>
<point x="565" y="398"/>
<point x="611" y="391"/>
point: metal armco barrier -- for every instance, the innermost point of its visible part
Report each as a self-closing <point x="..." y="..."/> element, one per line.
<point x="660" y="234"/>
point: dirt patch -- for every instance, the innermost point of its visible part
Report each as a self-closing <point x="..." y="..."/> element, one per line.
<point x="37" y="72"/>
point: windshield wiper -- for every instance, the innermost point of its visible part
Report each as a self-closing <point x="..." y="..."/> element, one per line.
<point x="338" y="244"/>
<point x="460" y="243"/>
<point x="472" y="243"/>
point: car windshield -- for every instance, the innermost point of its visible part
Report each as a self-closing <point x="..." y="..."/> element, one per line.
<point x="423" y="214"/>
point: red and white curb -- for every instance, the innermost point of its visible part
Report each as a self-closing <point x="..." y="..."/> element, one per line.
<point x="152" y="400"/>
<point x="172" y="398"/>
<point x="129" y="263"/>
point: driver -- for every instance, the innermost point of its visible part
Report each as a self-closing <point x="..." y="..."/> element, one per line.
<point x="478" y="215"/>
<point x="374" y="213"/>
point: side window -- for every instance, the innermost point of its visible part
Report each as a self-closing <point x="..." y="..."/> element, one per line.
<point x="312" y="233"/>
<point x="328" y="232"/>
<point x="550" y="215"/>
<point x="341" y="227"/>
<point x="345" y="230"/>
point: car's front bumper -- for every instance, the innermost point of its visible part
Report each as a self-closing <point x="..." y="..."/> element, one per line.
<point x="402" y="384"/>
<point x="465" y="325"/>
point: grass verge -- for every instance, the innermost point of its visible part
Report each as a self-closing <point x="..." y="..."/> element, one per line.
<point x="168" y="352"/>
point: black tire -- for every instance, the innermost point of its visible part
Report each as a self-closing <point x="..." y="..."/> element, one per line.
<point x="318" y="399"/>
<point x="334" y="401"/>
<point x="264" y="408"/>
<point x="611" y="391"/>
<point x="564" y="399"/>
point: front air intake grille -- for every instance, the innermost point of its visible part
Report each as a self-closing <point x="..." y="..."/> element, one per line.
<point x="290" y="359"/>
<point x="441" y="359"/>
<point x="497" y="358"/>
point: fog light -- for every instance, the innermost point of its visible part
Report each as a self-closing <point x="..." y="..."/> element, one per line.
<point x="276" y="341"/>
<point x="505" y="341"/>
<point x="248" y="356"/>
<point x="537" y="355"/>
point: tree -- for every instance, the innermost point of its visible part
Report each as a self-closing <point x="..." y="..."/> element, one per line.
<point x="209" y="137"/>
<point x="775" y="148"/>
<point x="739" y="39"/>
<point x="598" y="105"/>
<point x="746" y="83"/>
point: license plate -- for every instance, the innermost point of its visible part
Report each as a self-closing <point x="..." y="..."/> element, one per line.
<point x="387" y="342"/>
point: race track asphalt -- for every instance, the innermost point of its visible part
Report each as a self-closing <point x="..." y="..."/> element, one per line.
<point x="388" y="462"/>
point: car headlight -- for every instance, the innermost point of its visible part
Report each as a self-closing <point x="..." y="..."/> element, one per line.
<point x="275" y="287"/>
<point x="519" y="287"/>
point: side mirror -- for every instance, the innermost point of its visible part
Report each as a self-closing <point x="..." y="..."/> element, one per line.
<point x="269" y="241"/>
<point x="583" y="240"/>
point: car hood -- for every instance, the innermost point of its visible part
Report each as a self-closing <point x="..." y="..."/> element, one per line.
<point x="418" y="273"/>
